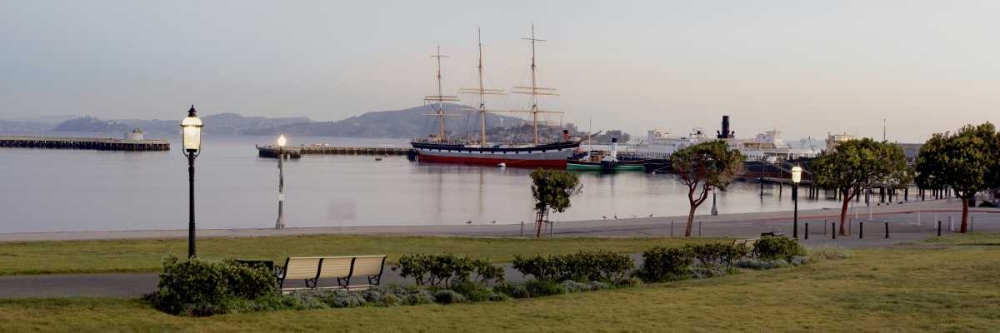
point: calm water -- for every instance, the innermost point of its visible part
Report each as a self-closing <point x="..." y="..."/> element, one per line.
<point x="67" y="190"/>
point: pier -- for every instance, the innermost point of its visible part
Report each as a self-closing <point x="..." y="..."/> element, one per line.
<point x="270" y="151"/>
<point x="83" y="143"/>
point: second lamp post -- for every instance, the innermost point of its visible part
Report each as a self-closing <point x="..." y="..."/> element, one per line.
<point x="191" y="139"/>
<point x="796" y="178"/>
<point x="280" y="224"/>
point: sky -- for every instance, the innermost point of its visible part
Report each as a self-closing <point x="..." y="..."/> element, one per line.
<point x="807" y="68"/>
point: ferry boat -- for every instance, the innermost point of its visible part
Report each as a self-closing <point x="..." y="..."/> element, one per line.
<point x="439" y="149"/>
<point x="768" y="146"/>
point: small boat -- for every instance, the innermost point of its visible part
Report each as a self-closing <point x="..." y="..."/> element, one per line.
<point x="598" y="161"/>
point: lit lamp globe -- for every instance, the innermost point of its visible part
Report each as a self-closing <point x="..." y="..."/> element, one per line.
<point x="282" y="141"/>
<point x="796" y="174"/>
<point x="192" y="131"/>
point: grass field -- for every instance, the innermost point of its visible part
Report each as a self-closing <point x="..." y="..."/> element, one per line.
<point x="146" y="255"/>
<point x="955" y="288"/>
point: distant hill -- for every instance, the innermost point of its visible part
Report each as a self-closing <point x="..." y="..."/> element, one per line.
<point x="407" y="123"/>
<point x="223" y="123"/>
<point x="23" y="127"/>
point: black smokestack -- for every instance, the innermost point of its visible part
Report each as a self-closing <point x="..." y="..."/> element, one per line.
<point x="725" y="128"/>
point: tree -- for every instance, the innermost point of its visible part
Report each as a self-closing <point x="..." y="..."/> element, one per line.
<point x="552" y="189"/>
<point x="856" y="165"/>
<point x="966" y="161"/>
<point x="702" y="167"/>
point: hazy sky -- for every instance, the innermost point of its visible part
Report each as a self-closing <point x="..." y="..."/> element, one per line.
<point x="805" y="67"/>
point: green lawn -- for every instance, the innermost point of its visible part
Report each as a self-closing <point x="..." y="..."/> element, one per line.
<point x="913" y="289"/>
<point x="147" y="254"/>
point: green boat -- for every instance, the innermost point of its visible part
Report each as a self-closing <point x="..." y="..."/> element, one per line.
<point x="605" y="167"/>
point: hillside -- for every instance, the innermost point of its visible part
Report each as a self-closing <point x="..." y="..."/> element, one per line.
<point x="406" y="123"/>
<point x="223" y="123"/>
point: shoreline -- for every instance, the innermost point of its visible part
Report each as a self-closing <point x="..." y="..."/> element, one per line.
<point x="600" y="228"/>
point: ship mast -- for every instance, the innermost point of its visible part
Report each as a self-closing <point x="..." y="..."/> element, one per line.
<point x="439" y="98"/>
<point x="535" y="90"/>
<point x="482" y="92"/>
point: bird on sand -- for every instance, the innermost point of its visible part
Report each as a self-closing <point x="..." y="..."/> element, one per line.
<point x="605" y="217"/>
<point x="650" y="215"/>
<point x="494" y="222"/>
<point x="616" y="216"/>
<point x="468" y="222"/>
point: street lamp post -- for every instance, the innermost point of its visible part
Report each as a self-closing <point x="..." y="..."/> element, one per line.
<point x="796" y="178"/>
<point x="191" y="140"/>
<point x="280" y="224"/>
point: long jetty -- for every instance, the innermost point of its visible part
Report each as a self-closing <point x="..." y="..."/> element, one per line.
<point x="270" y="151"/>
<point x="83" y="143"/>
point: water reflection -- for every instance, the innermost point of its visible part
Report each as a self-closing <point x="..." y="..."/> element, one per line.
<point x="60" y="190"/>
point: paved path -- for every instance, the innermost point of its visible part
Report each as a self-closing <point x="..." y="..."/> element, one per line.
<point x="906" y="226"/>
<point x="654" y="226"/>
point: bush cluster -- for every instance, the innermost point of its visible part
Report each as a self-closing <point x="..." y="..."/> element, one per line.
<point x="662" y="264"/>
<point x="447" y="270"/>
<point x="778" y="247"/>
<point x="200" y="288"/>
<point x="603" y="266"/>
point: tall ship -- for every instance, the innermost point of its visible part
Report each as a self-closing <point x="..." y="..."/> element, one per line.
<point x="440" y="149"/>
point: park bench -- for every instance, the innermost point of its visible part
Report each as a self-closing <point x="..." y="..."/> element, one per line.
<point x="342" y="269"/>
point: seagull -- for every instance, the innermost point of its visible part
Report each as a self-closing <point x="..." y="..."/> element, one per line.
<point x="616" y="216"/>
<point x="468" y="222"/>
<point x="494" y="222"/>
<point x="605" y="217"/>
<point x="650" y="215"/>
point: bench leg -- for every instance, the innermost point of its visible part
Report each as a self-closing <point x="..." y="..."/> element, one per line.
<point x="311" y="283"/>
<point x="344" y="282"/>
<point x="374" y="280"/>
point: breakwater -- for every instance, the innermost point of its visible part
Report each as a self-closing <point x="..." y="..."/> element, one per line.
<point x="297" y="152"/>
<point x="83" y="143"/>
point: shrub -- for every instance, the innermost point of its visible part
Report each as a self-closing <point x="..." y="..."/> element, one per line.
<point x="778" y="247"/>
<point x="662" y="264"/>
<point x="573" y="286"/>
<point x="203" y="288"/>
<point x="448" y="297"/>
<point x="249" y="282"/>
<point x="712" y="254"/>
<point x="540" y="288"/>
<point x="474" y="292"/>
<point x="418" y="297"/>
<point x="582" y="266"/>
<point x="444" y="270"/>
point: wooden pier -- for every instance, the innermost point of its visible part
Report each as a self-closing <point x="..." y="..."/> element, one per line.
<point x="83" y="143"/>
<point x="270" y="151"/>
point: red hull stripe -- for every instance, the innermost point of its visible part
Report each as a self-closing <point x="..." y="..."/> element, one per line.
<point x="559" y="164"/>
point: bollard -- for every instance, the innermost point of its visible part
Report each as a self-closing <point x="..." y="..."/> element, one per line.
<point x="699" y="228"/>
<point x="972" y="221"/>
<point x="834" y="233"/>
<point x="939" y="228"/>
<point x="522" y="228"/>
<point x="807" y="230"/>
<point x="552" y="228"/>
<point x="887" y="230"/>
<point x="850" y="226"/>
<point x="824" y="227"/>
<point x="671" y="228"/>
<point x="861" y="229"/>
